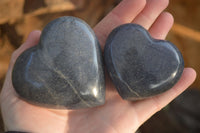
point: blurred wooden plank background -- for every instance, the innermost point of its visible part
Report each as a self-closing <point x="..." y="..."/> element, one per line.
<point x="20" y="17"/>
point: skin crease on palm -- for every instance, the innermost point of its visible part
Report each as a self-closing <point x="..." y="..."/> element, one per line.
<point x="116" y="115"/>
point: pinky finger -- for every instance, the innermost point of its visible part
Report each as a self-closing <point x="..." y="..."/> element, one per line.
<point x="161" y="26"/>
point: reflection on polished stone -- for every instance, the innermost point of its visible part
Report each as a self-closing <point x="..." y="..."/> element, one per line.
<point x="65" y="70"/>
<point x="140" y="66"/>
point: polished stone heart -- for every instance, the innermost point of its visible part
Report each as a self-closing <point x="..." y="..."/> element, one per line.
<point x="139" y="65"/>
<point x="64" y="70"/>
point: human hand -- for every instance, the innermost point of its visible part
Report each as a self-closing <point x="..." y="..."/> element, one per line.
<point x="116" y="115"/>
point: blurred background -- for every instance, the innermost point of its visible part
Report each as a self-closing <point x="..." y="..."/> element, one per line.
<point x="19" y="17"/>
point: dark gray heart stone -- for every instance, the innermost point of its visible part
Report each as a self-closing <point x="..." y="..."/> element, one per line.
<point x="64" y="70"/>
<point x="139" y="65"/>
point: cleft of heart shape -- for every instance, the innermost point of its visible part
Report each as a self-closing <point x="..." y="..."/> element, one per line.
<point x="65" y="70"/>
<point x="139" y="65"/>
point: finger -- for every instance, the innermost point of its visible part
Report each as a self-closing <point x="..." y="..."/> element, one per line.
<point x="125" y="12"/>
<point x="146" y="108"/>
<point x="162" y="25"/>
<point x="151" y="11"/>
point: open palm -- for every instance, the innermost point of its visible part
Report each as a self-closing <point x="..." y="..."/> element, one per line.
<point x="116" y="115"/>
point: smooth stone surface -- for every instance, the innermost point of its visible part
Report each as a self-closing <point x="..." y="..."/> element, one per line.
<point x="140" y="66"/>
<point x="64" y="70"/>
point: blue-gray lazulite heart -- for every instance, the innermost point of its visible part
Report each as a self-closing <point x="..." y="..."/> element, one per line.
<point x="65" y="70"/>
<point x="139" y="65"/>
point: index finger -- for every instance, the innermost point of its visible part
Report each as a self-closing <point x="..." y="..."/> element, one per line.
<point x="125" y="12"/>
